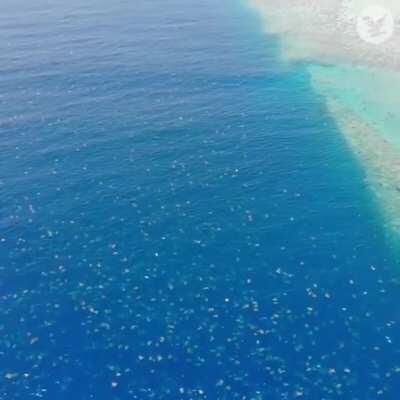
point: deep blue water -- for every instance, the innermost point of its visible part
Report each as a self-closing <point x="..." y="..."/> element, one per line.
<point x="180" y="218"/>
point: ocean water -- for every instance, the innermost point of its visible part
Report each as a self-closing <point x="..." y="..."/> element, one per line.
<point x="180" y="216"/>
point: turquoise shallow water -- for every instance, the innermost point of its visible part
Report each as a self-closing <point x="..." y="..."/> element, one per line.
<point x="370" y="94"/>
<point x="180" y="216"/>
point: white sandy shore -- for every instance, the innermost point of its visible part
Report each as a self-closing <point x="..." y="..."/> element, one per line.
<point x="359" y="80"/>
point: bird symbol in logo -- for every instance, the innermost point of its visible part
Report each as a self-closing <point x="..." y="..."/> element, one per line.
<point x="376" y="27"/>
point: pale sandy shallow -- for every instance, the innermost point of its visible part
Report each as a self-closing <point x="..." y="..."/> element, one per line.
<point x="359" y="81"/>
<point x="325" y="30"/>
